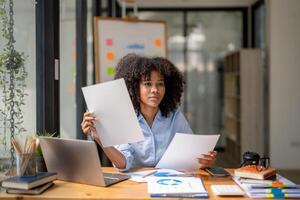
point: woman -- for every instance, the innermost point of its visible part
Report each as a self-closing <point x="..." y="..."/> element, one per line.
<point x="155" y="87"/>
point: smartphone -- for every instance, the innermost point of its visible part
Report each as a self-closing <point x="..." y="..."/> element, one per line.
<point x="217" y="171"/>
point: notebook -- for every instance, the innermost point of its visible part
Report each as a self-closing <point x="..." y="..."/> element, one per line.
<point x="37" y="190"/>
<point x="76" y="161"/>
<point x="281" y="188"/>
<point x="251" y="171"/>
<point x="29" y="182"/>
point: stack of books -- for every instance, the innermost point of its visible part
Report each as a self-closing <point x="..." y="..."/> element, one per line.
<point x="255" y="172"/>
<point x="29" y="185"/>
<point x="274" y="187"/>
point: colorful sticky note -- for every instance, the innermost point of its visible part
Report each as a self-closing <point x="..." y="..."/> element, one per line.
<point x="71" y="88"/>
<point x="73" y="72"/>
<point x="74" y="42"/>
<point x="157" y="43"/>
<point x="110" y="56"/>
<point x="110" y="71"/>
<point x="109" y="42"/>
<point x="73" y="55"/>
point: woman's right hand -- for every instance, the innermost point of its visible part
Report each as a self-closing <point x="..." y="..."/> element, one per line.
<point x="88" y="127"/>
<point x="88" y="124"/>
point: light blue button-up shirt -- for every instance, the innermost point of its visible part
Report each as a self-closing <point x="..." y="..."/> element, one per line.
<point x="147" y="153"/>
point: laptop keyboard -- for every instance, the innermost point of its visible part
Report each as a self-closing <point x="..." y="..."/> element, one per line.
<point x="110" y="178"/>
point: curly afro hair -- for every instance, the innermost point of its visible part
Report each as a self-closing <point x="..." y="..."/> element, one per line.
<point x="133" y="68"/>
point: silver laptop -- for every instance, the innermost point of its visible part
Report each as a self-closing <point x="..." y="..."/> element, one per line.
<point x="76" y="161"/>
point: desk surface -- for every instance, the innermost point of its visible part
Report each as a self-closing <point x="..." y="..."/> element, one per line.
<point x="123" y="190"/>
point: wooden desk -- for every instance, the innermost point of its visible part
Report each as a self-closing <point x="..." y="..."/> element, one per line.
<point x="126" y="190"/>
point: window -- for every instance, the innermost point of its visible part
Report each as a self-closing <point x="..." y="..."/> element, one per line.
<point x="24" y="34"/>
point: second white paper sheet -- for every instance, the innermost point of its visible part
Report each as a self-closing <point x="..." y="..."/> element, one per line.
<point x="184" y="150"/>
<point x="117" y="121"/>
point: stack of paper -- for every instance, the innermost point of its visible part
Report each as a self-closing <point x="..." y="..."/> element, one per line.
<point x="281" y="188"/>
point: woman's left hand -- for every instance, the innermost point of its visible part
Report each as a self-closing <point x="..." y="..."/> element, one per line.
<point x="207" y="160"/>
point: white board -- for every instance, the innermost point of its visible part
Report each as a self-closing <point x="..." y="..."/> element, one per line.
<point x="115" y="38"/>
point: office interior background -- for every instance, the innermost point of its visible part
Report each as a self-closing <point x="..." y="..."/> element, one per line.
<point x="200" y="33"/>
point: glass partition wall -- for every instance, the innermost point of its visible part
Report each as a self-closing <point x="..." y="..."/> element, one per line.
<point x="67" y="69"/>
<point x="197" y="44"/>
<point x="211" y="35"/>
<point x="68" y="64"/>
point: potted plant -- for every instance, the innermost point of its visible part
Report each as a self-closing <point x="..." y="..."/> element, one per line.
<point x="41" y="165"/>
<point x="12" y="82"/>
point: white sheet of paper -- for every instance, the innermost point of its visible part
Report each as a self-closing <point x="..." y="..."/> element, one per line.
<point x="184" y="150"/>
<point x="143" y="176"/>
<point x="140" y="176"/>
<point x="117" y="121"/>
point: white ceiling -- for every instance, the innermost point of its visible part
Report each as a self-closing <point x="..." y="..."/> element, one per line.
<point x="189" y="3"/>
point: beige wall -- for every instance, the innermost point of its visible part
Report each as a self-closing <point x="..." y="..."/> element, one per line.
<point x="284" y="59"/>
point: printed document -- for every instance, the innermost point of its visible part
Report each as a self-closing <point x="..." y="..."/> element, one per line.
<point x="176" y="187"/>
<point x="116" y="119"/>
<point x="184" y="150"/>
